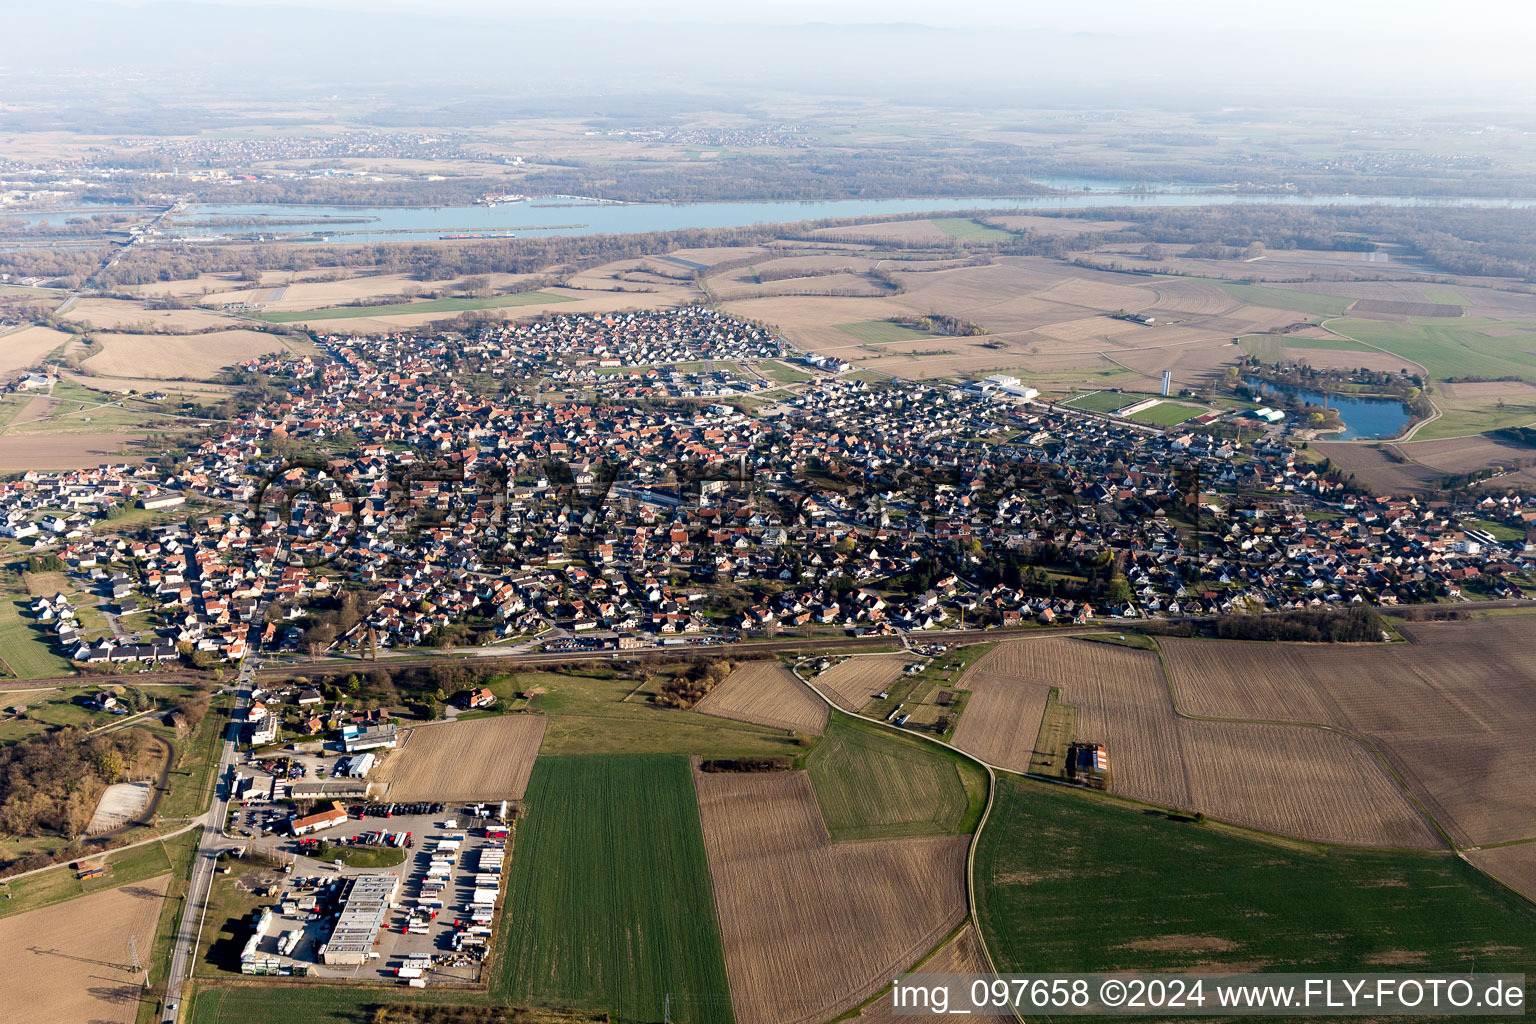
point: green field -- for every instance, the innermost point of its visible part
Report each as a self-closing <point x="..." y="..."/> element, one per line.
<point x="59" y="884"/>
<point x="24" y="648"/>
<point x="883" y="332"/>
<point x="1286" y="298"/>
<point x="1272" y="348"/>
<point x="610" y="897"/>
<point x="1103" y="401"/>
<point x="605" y="713"/>
<point x="401" y="308"/>
<point x="1446" y="296"/>
<point x="873" y="783"/>
<point x="971" y="229"/>
<point x="1071" y="882"/>
<point x="782" y="372"/>
<point x="1058" y="727"/>
<point x="1167" y="414"/>
<point x="1462" y="350"/>
<point x="1460" y="420"/>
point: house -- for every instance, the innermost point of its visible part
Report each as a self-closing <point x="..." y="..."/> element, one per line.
<point x="481" y="698"/>
<point x="309" y="697"/>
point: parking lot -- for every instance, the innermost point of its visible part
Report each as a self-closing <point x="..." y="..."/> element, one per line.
<point x="433" y="937"/>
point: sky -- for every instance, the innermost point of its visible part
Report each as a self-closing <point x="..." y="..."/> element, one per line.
<point x="1465" y="19"/>
<point x="1110" y="52"/>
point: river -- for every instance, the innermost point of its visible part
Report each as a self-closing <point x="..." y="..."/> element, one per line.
<point x="548" y="216"/>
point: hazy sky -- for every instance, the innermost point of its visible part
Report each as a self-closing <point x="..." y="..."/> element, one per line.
<point x="1469" y="19"/>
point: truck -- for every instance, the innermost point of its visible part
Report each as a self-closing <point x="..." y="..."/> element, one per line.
<point x="289" y="941"/>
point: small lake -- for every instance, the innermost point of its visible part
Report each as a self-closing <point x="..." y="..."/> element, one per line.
<point x="1364" y="418"/>
<point x="547" y="216"/>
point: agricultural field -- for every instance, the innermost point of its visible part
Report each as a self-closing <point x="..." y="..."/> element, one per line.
<point x="873" y="783"/>
<point x="69" y="962"/>
<point x="768" y="694"/>
<point x="458" y="305"/>
<point x="1009" y="686"/>
<point x="1296" y="781"/>
<point x="853" y="682"/>
<point x="1433" y="708"/>
<point x="25" y="652"/>
<point x="960" y="955"/>
<point x="971" y="230"/>
<point x="1294" y="300"/>
<point x="1044" y="321"/>
<point x="481" y="759"/>
<point x="131" y="315"/>
<point x="813" y="928"/>
<point x="1188" y="895"/>
<point x="160" y="356"/>
<point x="604" y="712"/>
<point x="25" y="348"/>
<point x="612" y="893"/>
<point x="1461" y="348"/>
<point x="884" y="332"/>
<point x="1514" y="865"/>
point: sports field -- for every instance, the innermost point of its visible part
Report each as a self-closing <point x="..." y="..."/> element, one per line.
<point x="398" y="308"/>
<point x="873" y="783"/>
<point x="1169" y="894"/>
<point x="610" y="894"/>
<point x="1103" y="401"/>
<point x="1166" y="414"/>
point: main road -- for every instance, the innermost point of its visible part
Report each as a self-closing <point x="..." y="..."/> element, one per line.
<point x="211" y="843"/>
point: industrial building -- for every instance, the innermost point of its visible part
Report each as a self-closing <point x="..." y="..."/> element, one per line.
<point x="367" y="903"/>
<point x="355" y="738"/>
<point x="315" y="822"/>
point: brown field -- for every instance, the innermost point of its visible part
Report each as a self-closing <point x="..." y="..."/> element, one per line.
<point x="1515" y="866"/>
<point x="1291" y="780"/>
<point x="1404" y="467"/>
<point x="584" y="301"/>
<point x="68" y="451"/>
<point x="27" y="347"/>
<point x="1042" y="317"/>
<point x="68" y="963"/>
<point x="1328" y="359"/>
<point x="812" y="928"/>
<point x="128" y="315"/>
<point x="767" y="693"/>
<point x="283" y="291"/>
<point x="852" y="683"/>
<point x="482" y="759"/>
<point x="1398" y="307"/>
<point x="200" y="389"/>
<point x="960" y="955"/>
<point x="1008" y="688"/>
<point x="160" y="356"/>
<point x="1452" y="713"/>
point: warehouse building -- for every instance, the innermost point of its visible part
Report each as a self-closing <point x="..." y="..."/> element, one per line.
<point x="363" y="911"/>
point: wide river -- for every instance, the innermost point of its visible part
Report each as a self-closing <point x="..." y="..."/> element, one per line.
<point x="549" y="216"/>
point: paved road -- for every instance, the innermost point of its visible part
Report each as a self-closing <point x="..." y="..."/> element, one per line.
<point x="211" y="843"/>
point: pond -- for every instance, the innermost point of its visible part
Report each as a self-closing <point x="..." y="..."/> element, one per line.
<point x="1364" y="418"/>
